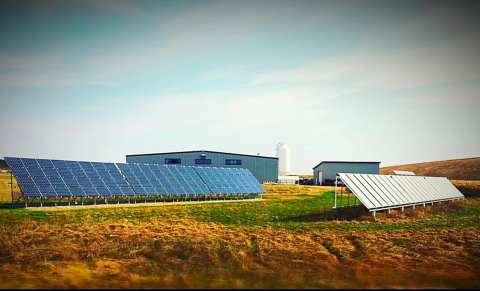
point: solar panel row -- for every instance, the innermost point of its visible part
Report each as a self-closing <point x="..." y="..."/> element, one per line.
<point x="58" y="178"/>
<point x="229" y="180"/>
<point x="392" y="191"/>
<point x="151" y="179"/>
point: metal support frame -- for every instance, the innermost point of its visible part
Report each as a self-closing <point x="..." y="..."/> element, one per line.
<point x="335" y="196"/>
<point x="11" y="184"/>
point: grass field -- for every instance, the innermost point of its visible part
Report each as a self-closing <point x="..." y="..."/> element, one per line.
<point x="5" y="190"/>
<point x="285" y="240"/>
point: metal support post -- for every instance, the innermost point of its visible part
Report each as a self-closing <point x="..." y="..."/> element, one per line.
<point x="11" y="184"/>
<point x="335" y="196"/>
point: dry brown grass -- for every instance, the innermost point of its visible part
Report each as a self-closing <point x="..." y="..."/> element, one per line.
<point x="5" y="191"/>
<point x="185" y="253"/>
<point x="285" y="189"/>
<point x="468" y="188"/>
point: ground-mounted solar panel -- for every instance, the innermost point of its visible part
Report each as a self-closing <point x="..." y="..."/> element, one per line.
<point x="154" y="179"/>
<point x="82" y="178"/>
<point x="229" y="180"/>
<point x="128" y="172"/>
<point x="95" y="179"/>
<point x="379" y="192"/>
<point x="179" y="186"/>
<point x="52" y="175"/>
<point x="69" y="178"/>
<point x="39" y="177"/>
<point x="212" y="179"/>
<point x="250" y="181"/>
<point x="233" y="177"/>
<point x="57" y="178"/>
<point x="162" y="179"/>
<point x="24" y="180"/>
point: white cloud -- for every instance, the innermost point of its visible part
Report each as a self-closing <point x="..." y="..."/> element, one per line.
<point x="395" y="69"/>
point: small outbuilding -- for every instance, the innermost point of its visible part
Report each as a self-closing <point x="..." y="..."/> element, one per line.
<point x="325" y="172"/>
<point x="289" y="179"/>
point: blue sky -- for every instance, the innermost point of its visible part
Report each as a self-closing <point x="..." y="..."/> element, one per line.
<point x="396" y="82"/>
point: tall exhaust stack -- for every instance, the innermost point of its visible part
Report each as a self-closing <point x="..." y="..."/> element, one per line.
<point x="283" y="155"/>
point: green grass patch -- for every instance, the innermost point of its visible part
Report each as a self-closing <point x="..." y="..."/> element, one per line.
<point x="304" y="213"/>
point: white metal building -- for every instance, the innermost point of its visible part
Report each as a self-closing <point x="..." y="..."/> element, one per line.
<point x="325" y="172"/>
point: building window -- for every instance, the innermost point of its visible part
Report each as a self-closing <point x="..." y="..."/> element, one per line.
<point x="203" y="161"/>
<point x="173" y="161"/>
<point x="233" y="162"/>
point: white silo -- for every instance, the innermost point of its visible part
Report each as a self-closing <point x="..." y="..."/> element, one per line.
<point x="283" y="155"/>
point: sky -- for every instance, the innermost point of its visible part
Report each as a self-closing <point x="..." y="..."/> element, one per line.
<point x="390" y="81"/>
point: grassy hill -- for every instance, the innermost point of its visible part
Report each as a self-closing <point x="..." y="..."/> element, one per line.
<point x="460" y="169"/>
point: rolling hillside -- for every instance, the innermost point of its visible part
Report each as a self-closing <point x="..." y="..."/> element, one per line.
<point x="460" y="169"/>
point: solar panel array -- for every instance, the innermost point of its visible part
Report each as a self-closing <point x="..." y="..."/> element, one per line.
<point x="229" y="180"/>
<point x="58" y="178"/>
<point x="153" y="179"/>
<point x="392" y="191"/>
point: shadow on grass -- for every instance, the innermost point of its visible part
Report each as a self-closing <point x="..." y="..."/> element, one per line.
<point x="344" y="213"/>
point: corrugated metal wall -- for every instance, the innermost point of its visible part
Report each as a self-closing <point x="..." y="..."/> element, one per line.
<point x="329" y="170"/>
<point x="263" y="168"/>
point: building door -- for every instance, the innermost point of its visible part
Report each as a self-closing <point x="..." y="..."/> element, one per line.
<point x="319" y="178"/>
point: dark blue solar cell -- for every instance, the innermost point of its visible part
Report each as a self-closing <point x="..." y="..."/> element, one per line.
<point x="68" y="177"/>
<point x="199" y="186"/>
<point x="252" y="181"/>
<point x="82" y="178"/>
<point x="54" y="177"/>
<point x="229" y="180"/>
<point x="39" y="178"/>
<point x="132" y="179"/>
<point x="25" y="181"/>
<point x="155" y="181"/>
<point x="95" y="178"/>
